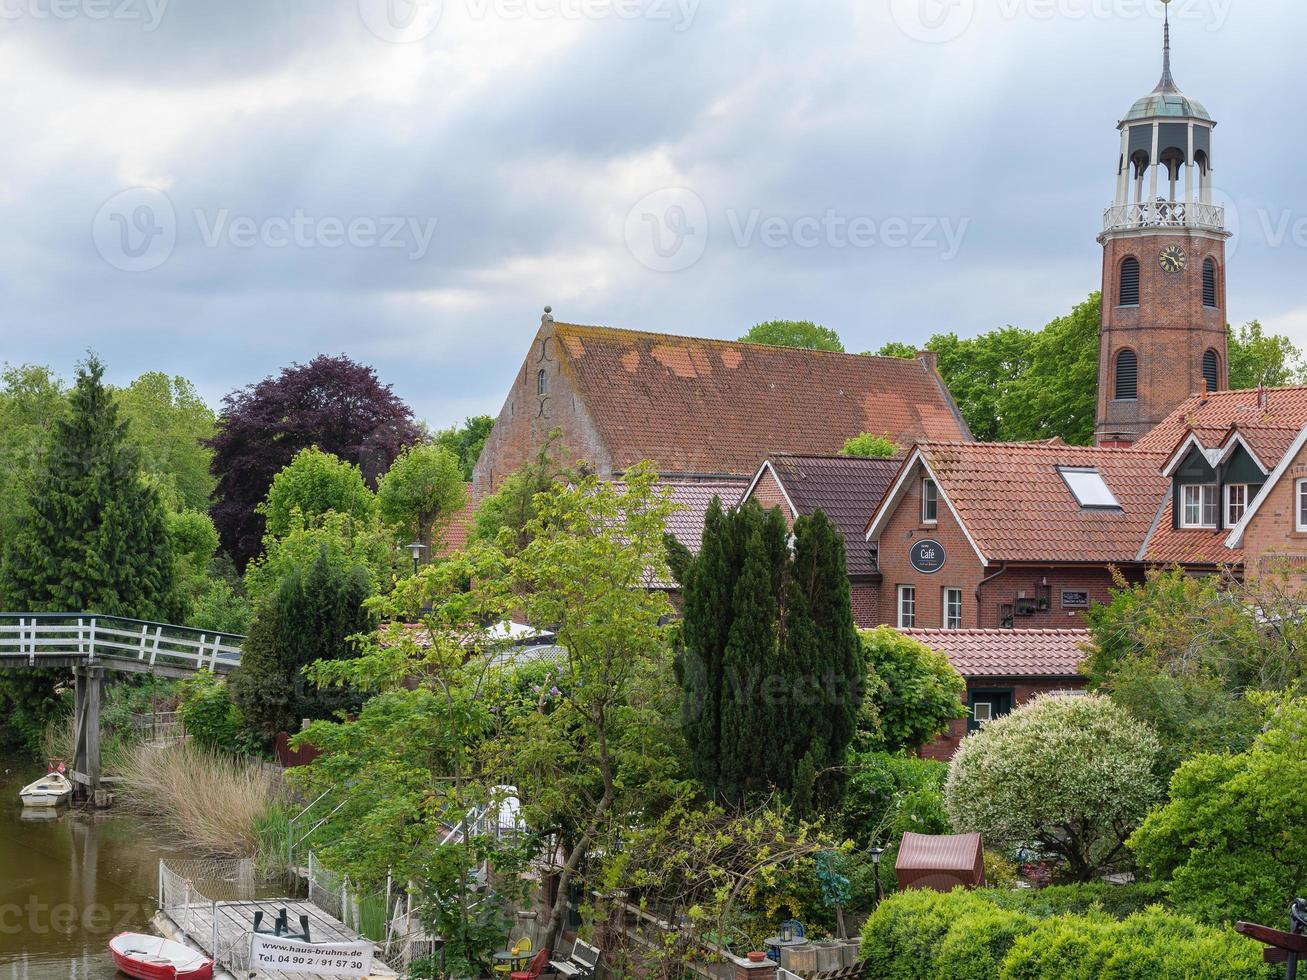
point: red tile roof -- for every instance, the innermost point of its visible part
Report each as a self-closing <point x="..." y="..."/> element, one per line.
<point x="692" y="405"/>
<point x="1009" y="653"/>
<point x="692" y="500"/>
<point x="846" y="489"/>
<point x="1016" y="506"/>
<point x="1189" y="546"/>
<point x="460" y="528"/>
<point x="1284" y="408"/>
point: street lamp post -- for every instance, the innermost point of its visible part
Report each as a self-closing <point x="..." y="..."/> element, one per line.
<point x="416" y="549"/>
<point x="876" y="852"/>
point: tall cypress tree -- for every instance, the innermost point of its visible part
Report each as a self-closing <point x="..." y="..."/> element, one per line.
<point x="94" y="537"/>
<point x="772" y="669"/>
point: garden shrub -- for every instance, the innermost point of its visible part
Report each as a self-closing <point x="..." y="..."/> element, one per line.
<point x="923" y="935"/>
<point x="1117" y="901"/>
<point x="212" y="718"/>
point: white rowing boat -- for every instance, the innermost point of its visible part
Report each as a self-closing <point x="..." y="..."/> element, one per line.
<point x="49" y="791"/>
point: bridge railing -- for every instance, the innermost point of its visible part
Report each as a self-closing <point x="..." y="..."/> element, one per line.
<point x="34" y="637"/>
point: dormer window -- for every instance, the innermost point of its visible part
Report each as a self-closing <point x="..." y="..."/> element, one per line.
<point x="1089" y="488"/>
<point x="1198" y="506"/>
<point x="1236" y="502"/>
<point x="929" y="502"/>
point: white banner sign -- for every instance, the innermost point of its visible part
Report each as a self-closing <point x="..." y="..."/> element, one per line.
<point x="270" y="954"/>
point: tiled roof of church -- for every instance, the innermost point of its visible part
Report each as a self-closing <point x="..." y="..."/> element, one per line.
<point x="693" y="405"/>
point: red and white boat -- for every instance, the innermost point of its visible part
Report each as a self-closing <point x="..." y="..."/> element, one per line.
<point x="155" y="958"/>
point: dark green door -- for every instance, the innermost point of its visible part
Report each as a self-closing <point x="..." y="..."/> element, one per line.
<point x="986" y="705"/>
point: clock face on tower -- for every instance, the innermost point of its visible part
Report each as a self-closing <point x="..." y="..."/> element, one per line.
<point x="1173" y="259"/>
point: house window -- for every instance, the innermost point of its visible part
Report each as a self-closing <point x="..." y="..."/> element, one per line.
<point x="1301" y="523"/>
<point x="542" y="383"/>
<point x="1212" y="370"/>
<point x="1198" y="505"/>
<point x="907" y="607"/>
<point x="1209" y="284"/>
<point x="1129" y="282"/>
<point x="929" y="502"/>
<point x="1127" y="376"/>
<point x="953" y="609"/>
<point x="1236" y="502"/>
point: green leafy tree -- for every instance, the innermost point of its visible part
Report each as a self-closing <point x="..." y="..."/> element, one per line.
<point x="467" y="441"/>
<point x="914" y="694"/>
<point x="311" y="618"/>
<point x="503" y="517"/>
<point x="1230" y="838"/>
<point x="170" y="423"/>
<point x="32" y="401"/>
<point x="314" y="484"/>
<point x="93" y="536"/>
<point x="1258" y="358"/>
<point x="422" y="492"/>
<point x="357" y="542"/>
<point x="794" y="333"/>
<point x="1074" y="775"/>
<point x="1056" y="394"/>
<point x="869" y="446"/>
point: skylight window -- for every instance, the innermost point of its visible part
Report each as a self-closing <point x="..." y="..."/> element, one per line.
<point x="1089" y="488"/>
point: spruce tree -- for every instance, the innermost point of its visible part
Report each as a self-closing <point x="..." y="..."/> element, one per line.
<point x="93" y="537"/>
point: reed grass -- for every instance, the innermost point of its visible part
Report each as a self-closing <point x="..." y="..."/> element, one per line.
<point x="216" y="803"/>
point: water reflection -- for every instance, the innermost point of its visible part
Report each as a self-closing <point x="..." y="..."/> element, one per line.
<point x="70" y="880"/>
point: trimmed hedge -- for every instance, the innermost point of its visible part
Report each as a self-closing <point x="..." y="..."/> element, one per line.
<point x="923" y="935"/>
<point x="1117" y="901"/>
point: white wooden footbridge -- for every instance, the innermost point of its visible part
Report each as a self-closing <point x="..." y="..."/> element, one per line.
<point x="91" y="645"/>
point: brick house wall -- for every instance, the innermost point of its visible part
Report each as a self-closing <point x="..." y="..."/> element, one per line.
<point x="1169" y="331"/>
<point x="962" y="568"/>
<point x="1273" y="547"/>
<point x="999" y="583"/>
<point x="866" y="604"/>
<point x="768" y="494"/>
<point x="530" y="414"/>
<point x="1024" y="689"/>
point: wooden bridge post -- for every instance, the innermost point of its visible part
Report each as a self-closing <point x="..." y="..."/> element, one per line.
<point x="86" y="755"/>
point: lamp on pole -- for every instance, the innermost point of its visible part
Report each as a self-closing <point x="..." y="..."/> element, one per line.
<point x="416" y="549"/>
<point x="876" y="852"/>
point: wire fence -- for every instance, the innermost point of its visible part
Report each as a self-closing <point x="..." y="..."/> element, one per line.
<point x="191" y="893"/>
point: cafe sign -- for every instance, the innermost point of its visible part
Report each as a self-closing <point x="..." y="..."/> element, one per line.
<point x="927" y="556"/>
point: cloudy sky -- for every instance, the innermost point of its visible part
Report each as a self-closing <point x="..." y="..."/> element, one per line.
<point x="218" y="188"/>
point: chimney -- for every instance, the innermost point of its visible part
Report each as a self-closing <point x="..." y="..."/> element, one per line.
<point x="1263" y="397"/>
<point x="1204" y="396"/>
<point x="928" y="358"/>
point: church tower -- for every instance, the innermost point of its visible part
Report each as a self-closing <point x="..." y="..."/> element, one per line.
<point x="1164" y="325"/>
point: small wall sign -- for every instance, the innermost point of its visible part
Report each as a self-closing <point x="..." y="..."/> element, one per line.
<point x="1075" y="599"/>
<point x="927" y="556"/>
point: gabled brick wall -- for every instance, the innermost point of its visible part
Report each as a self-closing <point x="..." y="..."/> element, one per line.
<point x="1273" y="546"/>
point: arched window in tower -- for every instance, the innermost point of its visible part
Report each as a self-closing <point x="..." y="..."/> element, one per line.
<point x="542" y="383"/>
<point x="1209" y="284"/>
<point x="1129" y="292"/>
<point x="1212" y="370"/>
<point x="1127" y="376"/>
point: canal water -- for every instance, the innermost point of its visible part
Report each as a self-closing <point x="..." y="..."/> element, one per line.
<point x="70" y="881"/>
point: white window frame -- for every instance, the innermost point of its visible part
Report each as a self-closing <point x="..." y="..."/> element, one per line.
<point x="1230" y="519"/>
<point x="1207" y="500"/>
<point x="1300" y="498"/>
<point x="907" y="607"/>
<point x="951" y="622"/>
<point x="932" y="499"/>
<point x="989" y="712"/>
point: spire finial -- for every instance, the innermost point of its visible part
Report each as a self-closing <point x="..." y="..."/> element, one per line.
<point x="1167" y="84"/>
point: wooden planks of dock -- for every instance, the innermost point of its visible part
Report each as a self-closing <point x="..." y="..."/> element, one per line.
<point x="235" y="925"/>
